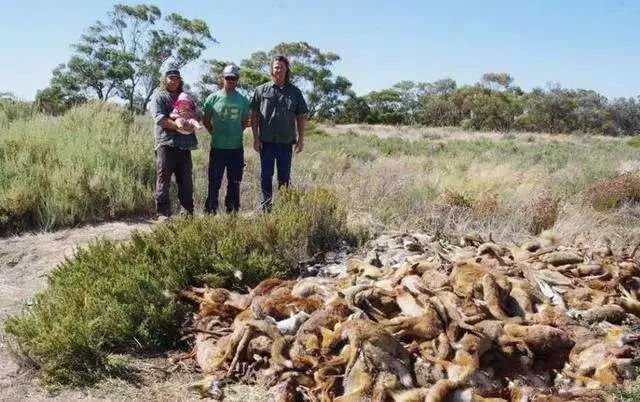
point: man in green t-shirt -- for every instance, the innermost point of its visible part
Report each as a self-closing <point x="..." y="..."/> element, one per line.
<point x="226" y="114"/>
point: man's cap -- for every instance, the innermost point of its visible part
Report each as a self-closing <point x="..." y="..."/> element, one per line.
<point x="231" y="71"/>
<point x="172" y="72"/>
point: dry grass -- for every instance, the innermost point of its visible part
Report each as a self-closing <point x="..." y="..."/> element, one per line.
<point x="403" y="177"/>
<point x="449" y="180"/>
<point x="612" y="193"/>
<point x="542" y="211"/>
<point x="451" y="133"/>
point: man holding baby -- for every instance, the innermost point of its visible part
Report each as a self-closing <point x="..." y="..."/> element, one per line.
<point x="174" y="140"/>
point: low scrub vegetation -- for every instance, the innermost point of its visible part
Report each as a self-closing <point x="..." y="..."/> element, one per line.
<point x="611" y="193"/>
<point x="91" y="165"/>
<point x="542" y="212"/>
<point x="87" y="165"/>
<point x="12" y="109"/>
<point x="113" y="297"/>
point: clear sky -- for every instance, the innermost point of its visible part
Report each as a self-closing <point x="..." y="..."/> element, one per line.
<point x="579" y="44"/>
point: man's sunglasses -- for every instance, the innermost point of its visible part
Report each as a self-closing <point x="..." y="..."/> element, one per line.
<point x="231" y="78"/>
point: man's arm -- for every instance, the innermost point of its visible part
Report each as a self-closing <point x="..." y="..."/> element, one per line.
<point x="246" y="119"/>
<point x="301" y="120"/>
<point x="161" y="113"/>
<point x="206" y="122"/>
<point x="301" y="113"/>
<point x="207" y="109"/>
<point x="168" y="124"/>
<point x="255" y="130"/>
<point x="254" y="107"/>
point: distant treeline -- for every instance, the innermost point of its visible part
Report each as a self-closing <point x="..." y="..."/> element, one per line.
<point x="123" y="57"/>
<point x="494" y="104"/>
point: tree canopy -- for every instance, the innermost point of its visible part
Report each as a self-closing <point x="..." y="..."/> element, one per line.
<point x="123" y="56"/>
<point x="310" y="70"/>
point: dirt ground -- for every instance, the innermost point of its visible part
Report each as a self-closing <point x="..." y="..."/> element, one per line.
<point x="25" y="262"/>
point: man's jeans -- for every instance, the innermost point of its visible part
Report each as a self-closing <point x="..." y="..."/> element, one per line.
<point x="233" y="161"/>
<point x="279" y="155"/>
<point x="170" y="160"/>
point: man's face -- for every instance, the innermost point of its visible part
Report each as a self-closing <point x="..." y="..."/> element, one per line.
<point x="230" y="83"/>
<point x="278" y="71"/>
<point x="173" y="83"/>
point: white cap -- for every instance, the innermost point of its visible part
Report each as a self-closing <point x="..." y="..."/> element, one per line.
<point x="231" y="71"/>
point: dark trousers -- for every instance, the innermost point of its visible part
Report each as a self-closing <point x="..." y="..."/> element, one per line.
<point x="280" y="156"/>
<point x="233" y="161"/>
<point x="170" y="160"/>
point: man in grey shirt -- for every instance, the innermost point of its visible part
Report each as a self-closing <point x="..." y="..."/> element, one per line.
<point x="173" y="149"/>
<point x="277" y="122"/>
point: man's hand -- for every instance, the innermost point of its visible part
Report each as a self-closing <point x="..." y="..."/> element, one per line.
<point x="257" y="145"/>
<point x="186" y="126"/>
<point x="300" y="124"/>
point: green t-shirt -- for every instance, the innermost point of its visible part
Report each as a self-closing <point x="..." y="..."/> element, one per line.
<point x="226" y="114"/>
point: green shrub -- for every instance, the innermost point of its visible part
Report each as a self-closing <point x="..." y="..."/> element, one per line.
<point x="86" y="165"/>
<point x="631" y="394"/>
<point x="115" y="297"/>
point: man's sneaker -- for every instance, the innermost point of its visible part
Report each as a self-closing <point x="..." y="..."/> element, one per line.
<point x="185" y="213"/>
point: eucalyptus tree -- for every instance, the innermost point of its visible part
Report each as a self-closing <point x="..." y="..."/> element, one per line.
<point x="311" y="71"/>
<point x="123" y="55"/>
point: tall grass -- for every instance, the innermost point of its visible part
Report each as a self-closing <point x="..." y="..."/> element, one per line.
<point x="12" y="110"/>
<point x="86" y="165"/>
<point x="114" y="297"/>
<point x="403" y="183"/>
<point x="90" y="165"/>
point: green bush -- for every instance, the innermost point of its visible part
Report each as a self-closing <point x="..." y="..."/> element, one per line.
<point x="115" y="297"/>
<point x="86" y="165"/>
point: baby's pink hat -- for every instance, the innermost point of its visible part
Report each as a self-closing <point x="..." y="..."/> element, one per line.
<point x="184" y="97"/>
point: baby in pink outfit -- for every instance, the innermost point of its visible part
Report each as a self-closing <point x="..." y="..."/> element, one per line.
<point x="184" y="111"/>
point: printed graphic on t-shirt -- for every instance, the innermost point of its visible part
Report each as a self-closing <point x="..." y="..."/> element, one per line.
<point x="229" y="113"/>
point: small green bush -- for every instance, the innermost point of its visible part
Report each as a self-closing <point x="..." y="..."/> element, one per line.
<point x="631" y="394"/>
<point x="114" y="297"/>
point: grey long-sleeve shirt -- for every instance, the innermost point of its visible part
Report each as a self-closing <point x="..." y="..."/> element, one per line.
<point x="161" y="106"/>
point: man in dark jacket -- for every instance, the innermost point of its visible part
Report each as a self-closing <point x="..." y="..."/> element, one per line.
<point x="277" y="121"/>
<point x="173" y="149"/>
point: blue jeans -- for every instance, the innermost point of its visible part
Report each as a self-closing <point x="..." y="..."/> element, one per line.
<point x="233" y="161"/>
<point x="279" y="155"/>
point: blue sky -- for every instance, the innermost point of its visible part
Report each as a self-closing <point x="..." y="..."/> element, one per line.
<point x="579" y="44"/>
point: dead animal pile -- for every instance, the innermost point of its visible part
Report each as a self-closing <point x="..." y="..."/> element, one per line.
<point x="416" y="320"/>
